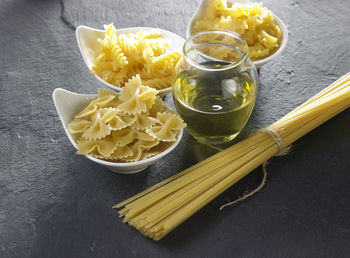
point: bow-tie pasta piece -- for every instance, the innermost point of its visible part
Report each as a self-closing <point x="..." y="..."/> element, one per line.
<point x="157" y="106"/>
<point x="136" y="98"/>
<point x="79" y="125"/>
<point x="103" y="148"/>
<point x="105" y="114"/>
<point x="114" y="103"/>
<point x="170" y="126"/>
<point x="121" y="152"/>
<point x="138" y="147"/>
<point x="143" y="122"/>
<point x="94" y="105"/>
<point x="123" y="137"/>
<point x="102" y="93"/>
<point x="97" y="130"/>
<point x="162" y="146"/>
<point x="121" y="121"/>
<point x="143" y="136"/>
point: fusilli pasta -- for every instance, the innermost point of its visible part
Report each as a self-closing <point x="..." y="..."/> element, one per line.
<point x="145" y="53"/>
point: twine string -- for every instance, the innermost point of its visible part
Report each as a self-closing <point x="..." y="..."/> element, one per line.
<point x="283" y="150"/>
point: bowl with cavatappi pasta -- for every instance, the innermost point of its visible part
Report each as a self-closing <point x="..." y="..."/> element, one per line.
<point x="125" y="132"/>
<point x="266" y="34"/>
<point x="116" y="55"/>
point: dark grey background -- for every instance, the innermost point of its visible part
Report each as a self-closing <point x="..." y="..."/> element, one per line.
<point x="57" y="204"/>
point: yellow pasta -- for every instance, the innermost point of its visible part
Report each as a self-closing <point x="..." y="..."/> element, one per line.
<point x="115" y="127"/>
<point x="169" y="126"/>
<point x="146" y="53"/>
<point x="136" y="98"/>
<point x="158" y="210"/>
<point x="143" y="122"/>
<point x="255" y="23"/>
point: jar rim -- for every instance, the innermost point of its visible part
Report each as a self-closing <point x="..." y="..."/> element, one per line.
<point x="231" y="64"/>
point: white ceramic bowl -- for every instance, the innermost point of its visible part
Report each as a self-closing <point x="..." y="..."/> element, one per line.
<point x="68" y="104"/>
<point x="198" y="14"/>
<point x="88" y="46"/>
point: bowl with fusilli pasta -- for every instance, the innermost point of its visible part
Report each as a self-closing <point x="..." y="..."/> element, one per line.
<point x="115" y="55"/>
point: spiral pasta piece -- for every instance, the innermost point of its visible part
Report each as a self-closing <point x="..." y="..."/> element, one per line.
<point x="122" y="56"/>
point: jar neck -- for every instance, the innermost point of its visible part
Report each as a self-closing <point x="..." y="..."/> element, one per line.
<point x="225" y="48"/>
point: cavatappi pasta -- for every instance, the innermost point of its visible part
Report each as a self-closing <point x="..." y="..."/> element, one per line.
<point x="146" y="53"/>
<point x="161" y="208"/>
<point x="255" y="23"/>
<point x="130" y="126"/>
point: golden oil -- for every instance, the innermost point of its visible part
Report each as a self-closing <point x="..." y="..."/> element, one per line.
<point x="214" y="104"/>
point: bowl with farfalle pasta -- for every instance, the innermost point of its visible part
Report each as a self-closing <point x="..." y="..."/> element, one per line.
<point x="266" y="34"/>
<point x="125" y="132"/>
<point x="116" y="55"/>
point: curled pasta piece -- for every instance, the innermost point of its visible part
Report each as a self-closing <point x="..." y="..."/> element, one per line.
<point x="257" y="51"/>
<point x="148" y="34"/>
<point x="159" y="46"/>
<point x="159" y="83"/>
<point x="266" y="39"/>
<point x="127" y="44"/>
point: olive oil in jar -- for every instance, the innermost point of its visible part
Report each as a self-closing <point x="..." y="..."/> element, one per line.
<point x="214" y="104"/>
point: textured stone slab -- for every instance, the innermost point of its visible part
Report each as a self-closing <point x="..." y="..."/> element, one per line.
<point x="57" y="204"/>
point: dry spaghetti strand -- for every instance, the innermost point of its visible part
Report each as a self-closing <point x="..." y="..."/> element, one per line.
<point x="158" y="210"/>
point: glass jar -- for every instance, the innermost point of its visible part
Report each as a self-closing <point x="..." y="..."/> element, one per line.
<point x="216" y="85"/>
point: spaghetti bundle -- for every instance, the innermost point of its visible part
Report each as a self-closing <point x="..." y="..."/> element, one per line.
<point x="159" y="209"/>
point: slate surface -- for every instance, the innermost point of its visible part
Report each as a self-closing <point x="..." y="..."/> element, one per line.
<point x="57" y="204"/>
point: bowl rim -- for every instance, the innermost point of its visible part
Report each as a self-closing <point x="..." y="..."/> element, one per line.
<point x="119" y="31"/>
<point x="110" y="163"/>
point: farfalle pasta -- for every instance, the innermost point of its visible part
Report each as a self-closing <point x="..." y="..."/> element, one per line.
<point x="255" y="23"/>
<point x="125" y="127"/>
<point x="145" y="53"/>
